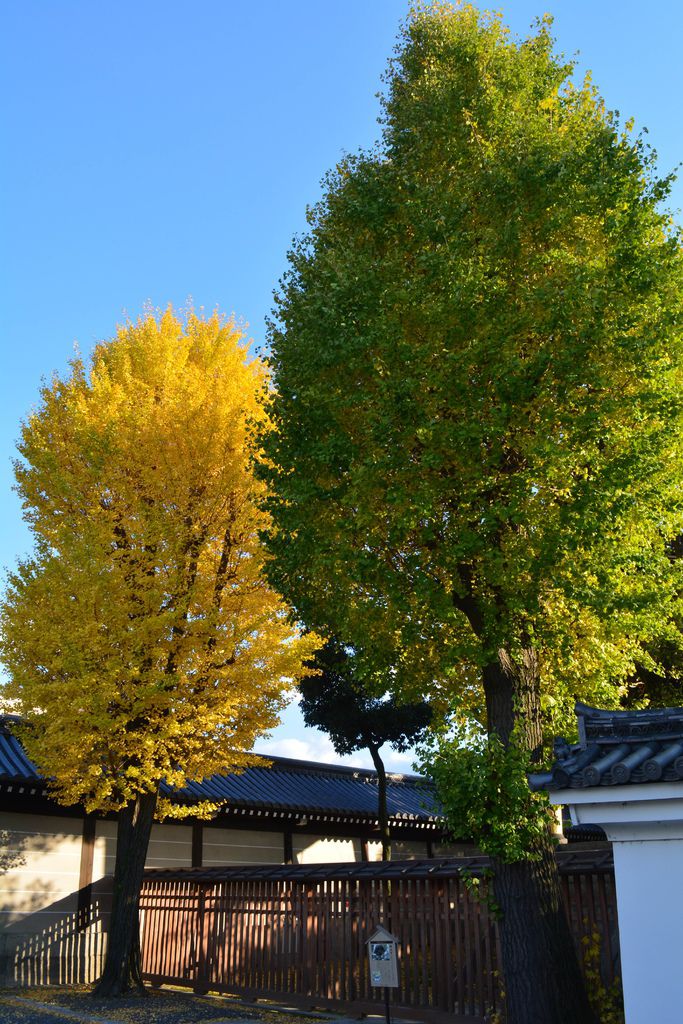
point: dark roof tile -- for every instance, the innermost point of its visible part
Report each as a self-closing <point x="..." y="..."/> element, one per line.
<point x="14" y="764"/>
<point x="279" y="783"/>
<point x="617" y="748"/>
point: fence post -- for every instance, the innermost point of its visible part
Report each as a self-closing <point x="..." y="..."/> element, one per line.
<point x="201" y="982"/>
<point x="308" y="942"/>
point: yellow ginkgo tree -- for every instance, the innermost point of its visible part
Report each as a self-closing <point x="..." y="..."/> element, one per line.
<point x="142" y="641"/>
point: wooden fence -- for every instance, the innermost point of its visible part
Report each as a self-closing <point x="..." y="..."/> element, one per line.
<point x="299" y="932"/>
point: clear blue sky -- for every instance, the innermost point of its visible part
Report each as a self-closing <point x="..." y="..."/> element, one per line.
<point x="155" y="150"/>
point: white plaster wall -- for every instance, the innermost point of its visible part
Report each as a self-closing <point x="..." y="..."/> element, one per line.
<point x="645" y="823"/>
<point x="650" y="905"/>
<point x="170" y="846"/>
<point x="104" y="852"/>
<point x="43" y="858"/>
<point x="223" y="846"/>
<point x="374" y="850"/>
<point x="323" y="850"/>
<point x="402" y="849"/>
<point x="42" y="937"/>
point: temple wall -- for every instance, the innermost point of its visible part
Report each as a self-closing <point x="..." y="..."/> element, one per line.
<point x="46" y="935"/>
<point x="241" y="846"/>
<point x="323" y="850"/>
<point x="55" y="885"/>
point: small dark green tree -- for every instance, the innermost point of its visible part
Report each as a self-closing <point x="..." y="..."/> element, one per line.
<point x="354" y="719"/>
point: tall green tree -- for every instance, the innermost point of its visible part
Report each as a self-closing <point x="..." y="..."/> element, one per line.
<point x="356" y="717"/>
<point x="142" y="641"/>
<point x="476" y="466"/>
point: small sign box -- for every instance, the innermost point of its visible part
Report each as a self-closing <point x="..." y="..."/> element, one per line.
<point x="383" y="957"/>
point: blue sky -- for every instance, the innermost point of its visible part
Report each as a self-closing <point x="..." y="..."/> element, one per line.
<point x="160" y="150"/>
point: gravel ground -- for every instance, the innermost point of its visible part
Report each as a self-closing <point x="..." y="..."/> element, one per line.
<point x="15" y="1015"/>
<point x="161" y="1007"/>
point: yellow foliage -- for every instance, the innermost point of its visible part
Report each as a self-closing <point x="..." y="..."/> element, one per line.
<point x="142" y="640"/>
<point x="607" y="1002"/>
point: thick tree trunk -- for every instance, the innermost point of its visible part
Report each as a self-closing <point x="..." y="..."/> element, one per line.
<point x="122" y="969"/>
<point x="382" y="813"/>
<point x="543" y="980"/>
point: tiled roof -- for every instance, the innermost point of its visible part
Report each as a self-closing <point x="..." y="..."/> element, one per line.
<point x="279" y="783"/>
<point x="14" y="764"/>
<point x="307" y="786"/>
<point x="570" y="862"/>
<point x="617" y="748"/>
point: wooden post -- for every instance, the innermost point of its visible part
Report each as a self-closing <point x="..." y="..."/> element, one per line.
<point x="201" y="983"/>
<point x="287" y="848"/>
<point x="85" y="873"/>
<point x="197" y="844"/>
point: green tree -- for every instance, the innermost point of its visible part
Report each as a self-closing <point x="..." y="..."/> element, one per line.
<point x="658" y="673"/>
<point x="142" y="641"/>
<point x="354" y="718"/>
<point x="477" y="360"/>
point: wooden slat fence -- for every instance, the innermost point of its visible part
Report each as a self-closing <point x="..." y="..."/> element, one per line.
<point x="300" y="932"/>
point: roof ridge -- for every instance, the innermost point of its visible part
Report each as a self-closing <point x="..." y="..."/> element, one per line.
<point x="291" y="763"/>
<point x="617" y="748"/>
<point x="325" y="768"/>
<point x="605" y="714"/>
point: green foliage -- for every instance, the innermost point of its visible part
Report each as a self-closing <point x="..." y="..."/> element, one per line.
<point x="480" y="887"/>
<point x="608" y="1002"/>
<point x="335" y="700"/>
<point x="477" y="360"/>
<point x="658" y="674"/>
<point x="356" y="712"/>
<point x="483" y="788"/>
<point x="478" y="366"/>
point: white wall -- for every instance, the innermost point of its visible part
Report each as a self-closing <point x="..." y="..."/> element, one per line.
<point x="644" y="821"/>
<point x="322" y="849"/>
<point x="42" y="937"/>
<point x="649" y="880"/>
<point x="402" y="849"/>
<point x="241" y="846"/>
<point x="43" y="859"/>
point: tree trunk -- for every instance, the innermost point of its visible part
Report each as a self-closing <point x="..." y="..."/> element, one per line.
<point x="122" y="969"/>
<point x="543" y="980"/>
<point x="382" y="813"/>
